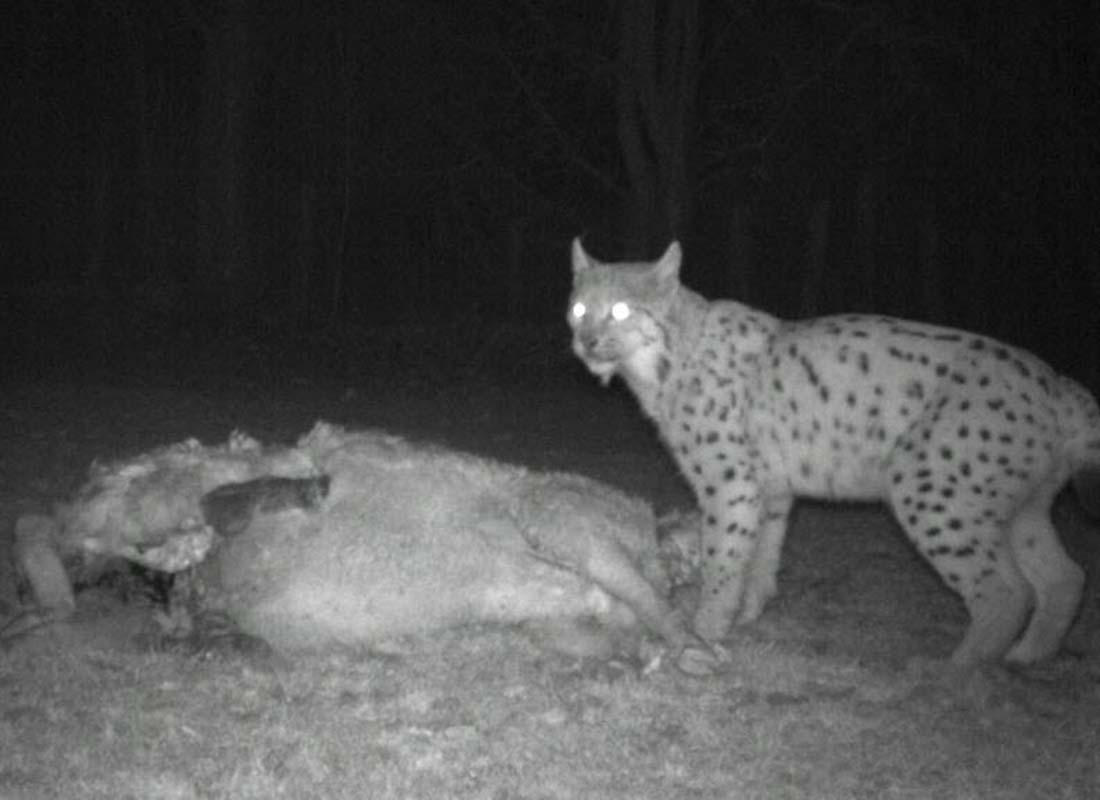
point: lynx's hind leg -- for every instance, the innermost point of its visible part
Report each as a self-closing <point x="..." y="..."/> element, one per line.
<point x="967" y="543"/>
<point x="1056" y="580"/>
<point x="998" y="599"/>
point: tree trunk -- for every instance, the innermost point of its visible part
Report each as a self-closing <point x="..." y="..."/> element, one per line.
<point x="928" y="230"/>
<point x="742" y="253"/>
<point x="817" y="251"/>
<point x="95" y="302"/>
<point x="221" y="230"/>
<point x="301" y="304"/>
<point x="140" y="101"/>
<point x="339" y="250"/>
<point x="516" y="283"/>
<point x="658" y="63"/>
<point x="866" y="235"/>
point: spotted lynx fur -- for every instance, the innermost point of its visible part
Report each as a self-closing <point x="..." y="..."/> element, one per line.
<point x="968" y="440"/>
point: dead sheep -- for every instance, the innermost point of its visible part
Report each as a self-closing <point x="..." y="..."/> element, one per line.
<point x="354" y="537"/>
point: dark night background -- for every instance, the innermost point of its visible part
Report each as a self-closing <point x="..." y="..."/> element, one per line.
<point x="185" y="176"/>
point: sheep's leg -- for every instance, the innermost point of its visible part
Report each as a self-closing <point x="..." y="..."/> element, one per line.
<point x="36" y="557"/>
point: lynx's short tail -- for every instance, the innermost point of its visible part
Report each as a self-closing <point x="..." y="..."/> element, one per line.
<point x="1082" y="427"/>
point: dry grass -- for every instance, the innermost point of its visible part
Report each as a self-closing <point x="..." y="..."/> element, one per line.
<point x="817" y="702"/>
<point x="483" y="716"/>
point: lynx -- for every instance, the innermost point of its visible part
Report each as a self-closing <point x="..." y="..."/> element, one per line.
<point x="966" y="439"/>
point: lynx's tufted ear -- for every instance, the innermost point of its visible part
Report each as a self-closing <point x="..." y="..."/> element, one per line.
<point x="581" y="260"/>
<point x="667" y="267"/>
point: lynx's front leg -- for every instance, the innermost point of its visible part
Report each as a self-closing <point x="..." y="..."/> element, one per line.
<point x="760" y="582"/>
<point x="731" y="536"/>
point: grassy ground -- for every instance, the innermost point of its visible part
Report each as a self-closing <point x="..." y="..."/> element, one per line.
<point x="817" y="702"/>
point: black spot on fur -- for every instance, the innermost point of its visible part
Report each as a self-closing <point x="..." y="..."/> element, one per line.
<point x="664" y="366"/>
<point x="808" y="368"/>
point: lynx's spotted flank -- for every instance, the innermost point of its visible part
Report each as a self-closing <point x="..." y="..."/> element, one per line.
<point x="966" y="439"/>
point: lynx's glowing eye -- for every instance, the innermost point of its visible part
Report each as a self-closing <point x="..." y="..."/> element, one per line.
<point x="578" y="310"/>
<point x="620" y="311"/>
